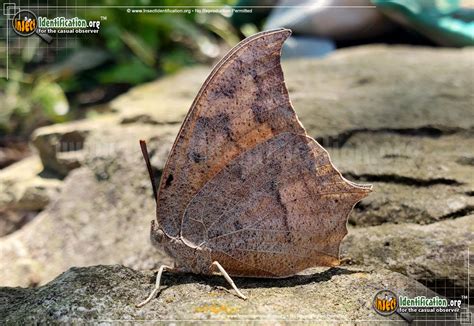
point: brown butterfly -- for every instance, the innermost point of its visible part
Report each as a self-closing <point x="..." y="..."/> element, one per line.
<point x="245" y="190"/>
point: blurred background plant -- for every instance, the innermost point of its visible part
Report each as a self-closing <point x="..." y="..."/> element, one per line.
<point x="60" y="82"/>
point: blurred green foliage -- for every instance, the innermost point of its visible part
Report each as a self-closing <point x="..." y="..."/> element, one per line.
<point x="49" y="84"/>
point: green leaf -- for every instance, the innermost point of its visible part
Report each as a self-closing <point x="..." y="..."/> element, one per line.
<point x="175" y="60"/>
<point x="50" y="97"/>
<point x="139" y="47"/>
<point x="132" y="72"/>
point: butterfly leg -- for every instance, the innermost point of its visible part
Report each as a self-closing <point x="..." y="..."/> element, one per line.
<point x="229" y="280"/>
<point x="157" y="285"/>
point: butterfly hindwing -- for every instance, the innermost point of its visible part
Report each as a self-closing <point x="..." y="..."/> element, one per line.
<point x="273" y="211"/>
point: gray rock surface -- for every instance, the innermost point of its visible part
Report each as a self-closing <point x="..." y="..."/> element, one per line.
<point x="416" y="178"/>
<point x="60" y="146"/>
<point x="413" y="142"/>
<point x="24" y="191"/>
<point x="102" y="215"/>
<point x="435" y="254"/>
<point x="109" y="294"/>
<point x="344" y="93"/>
<point x="403" y="139"/>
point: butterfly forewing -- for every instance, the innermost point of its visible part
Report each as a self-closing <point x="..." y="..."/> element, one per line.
<point x="244" y="102"/>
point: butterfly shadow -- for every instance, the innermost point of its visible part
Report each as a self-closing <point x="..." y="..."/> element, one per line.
<point x="295" y="280"/>
<point x="172" y="279"/>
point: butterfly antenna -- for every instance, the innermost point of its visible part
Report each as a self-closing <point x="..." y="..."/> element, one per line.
<point x="146" y="156"/>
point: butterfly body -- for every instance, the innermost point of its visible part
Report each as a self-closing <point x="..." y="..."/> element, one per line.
<point x="244" y="185"/>
<point x="189" y="257"/>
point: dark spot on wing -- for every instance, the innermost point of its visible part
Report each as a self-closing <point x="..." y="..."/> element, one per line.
<point x="197" y="157"/>
<point x="237" y="225"/>
<point x="169" y="180"/>
<point x="259" y="113"/>
<point x="213" y="125"/>
<point x="227" y="89"/>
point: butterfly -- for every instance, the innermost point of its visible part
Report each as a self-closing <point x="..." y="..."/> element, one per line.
<point x="245" y="191"/>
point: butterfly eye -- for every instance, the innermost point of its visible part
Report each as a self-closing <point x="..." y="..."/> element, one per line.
<point x="157" y="236"/>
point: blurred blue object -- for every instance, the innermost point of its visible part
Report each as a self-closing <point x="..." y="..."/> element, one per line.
<point x="302" y="46"/>
<point x="338" y="20"/>
<point x="444" y="22"/>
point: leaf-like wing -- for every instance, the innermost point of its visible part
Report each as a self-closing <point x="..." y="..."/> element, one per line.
<point x="242" y="103"/>
<point x="275" y="210"/>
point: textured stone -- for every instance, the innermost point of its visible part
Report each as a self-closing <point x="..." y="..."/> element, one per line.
<point x="417" y="178"/>
<point x="25" y="189"/>
<point x="109" y="293"/>
<point x="435" y="254"/>
<point x="349" y="91"/>
<point x="102" y="215"/>
<point x="60" y="146"/>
